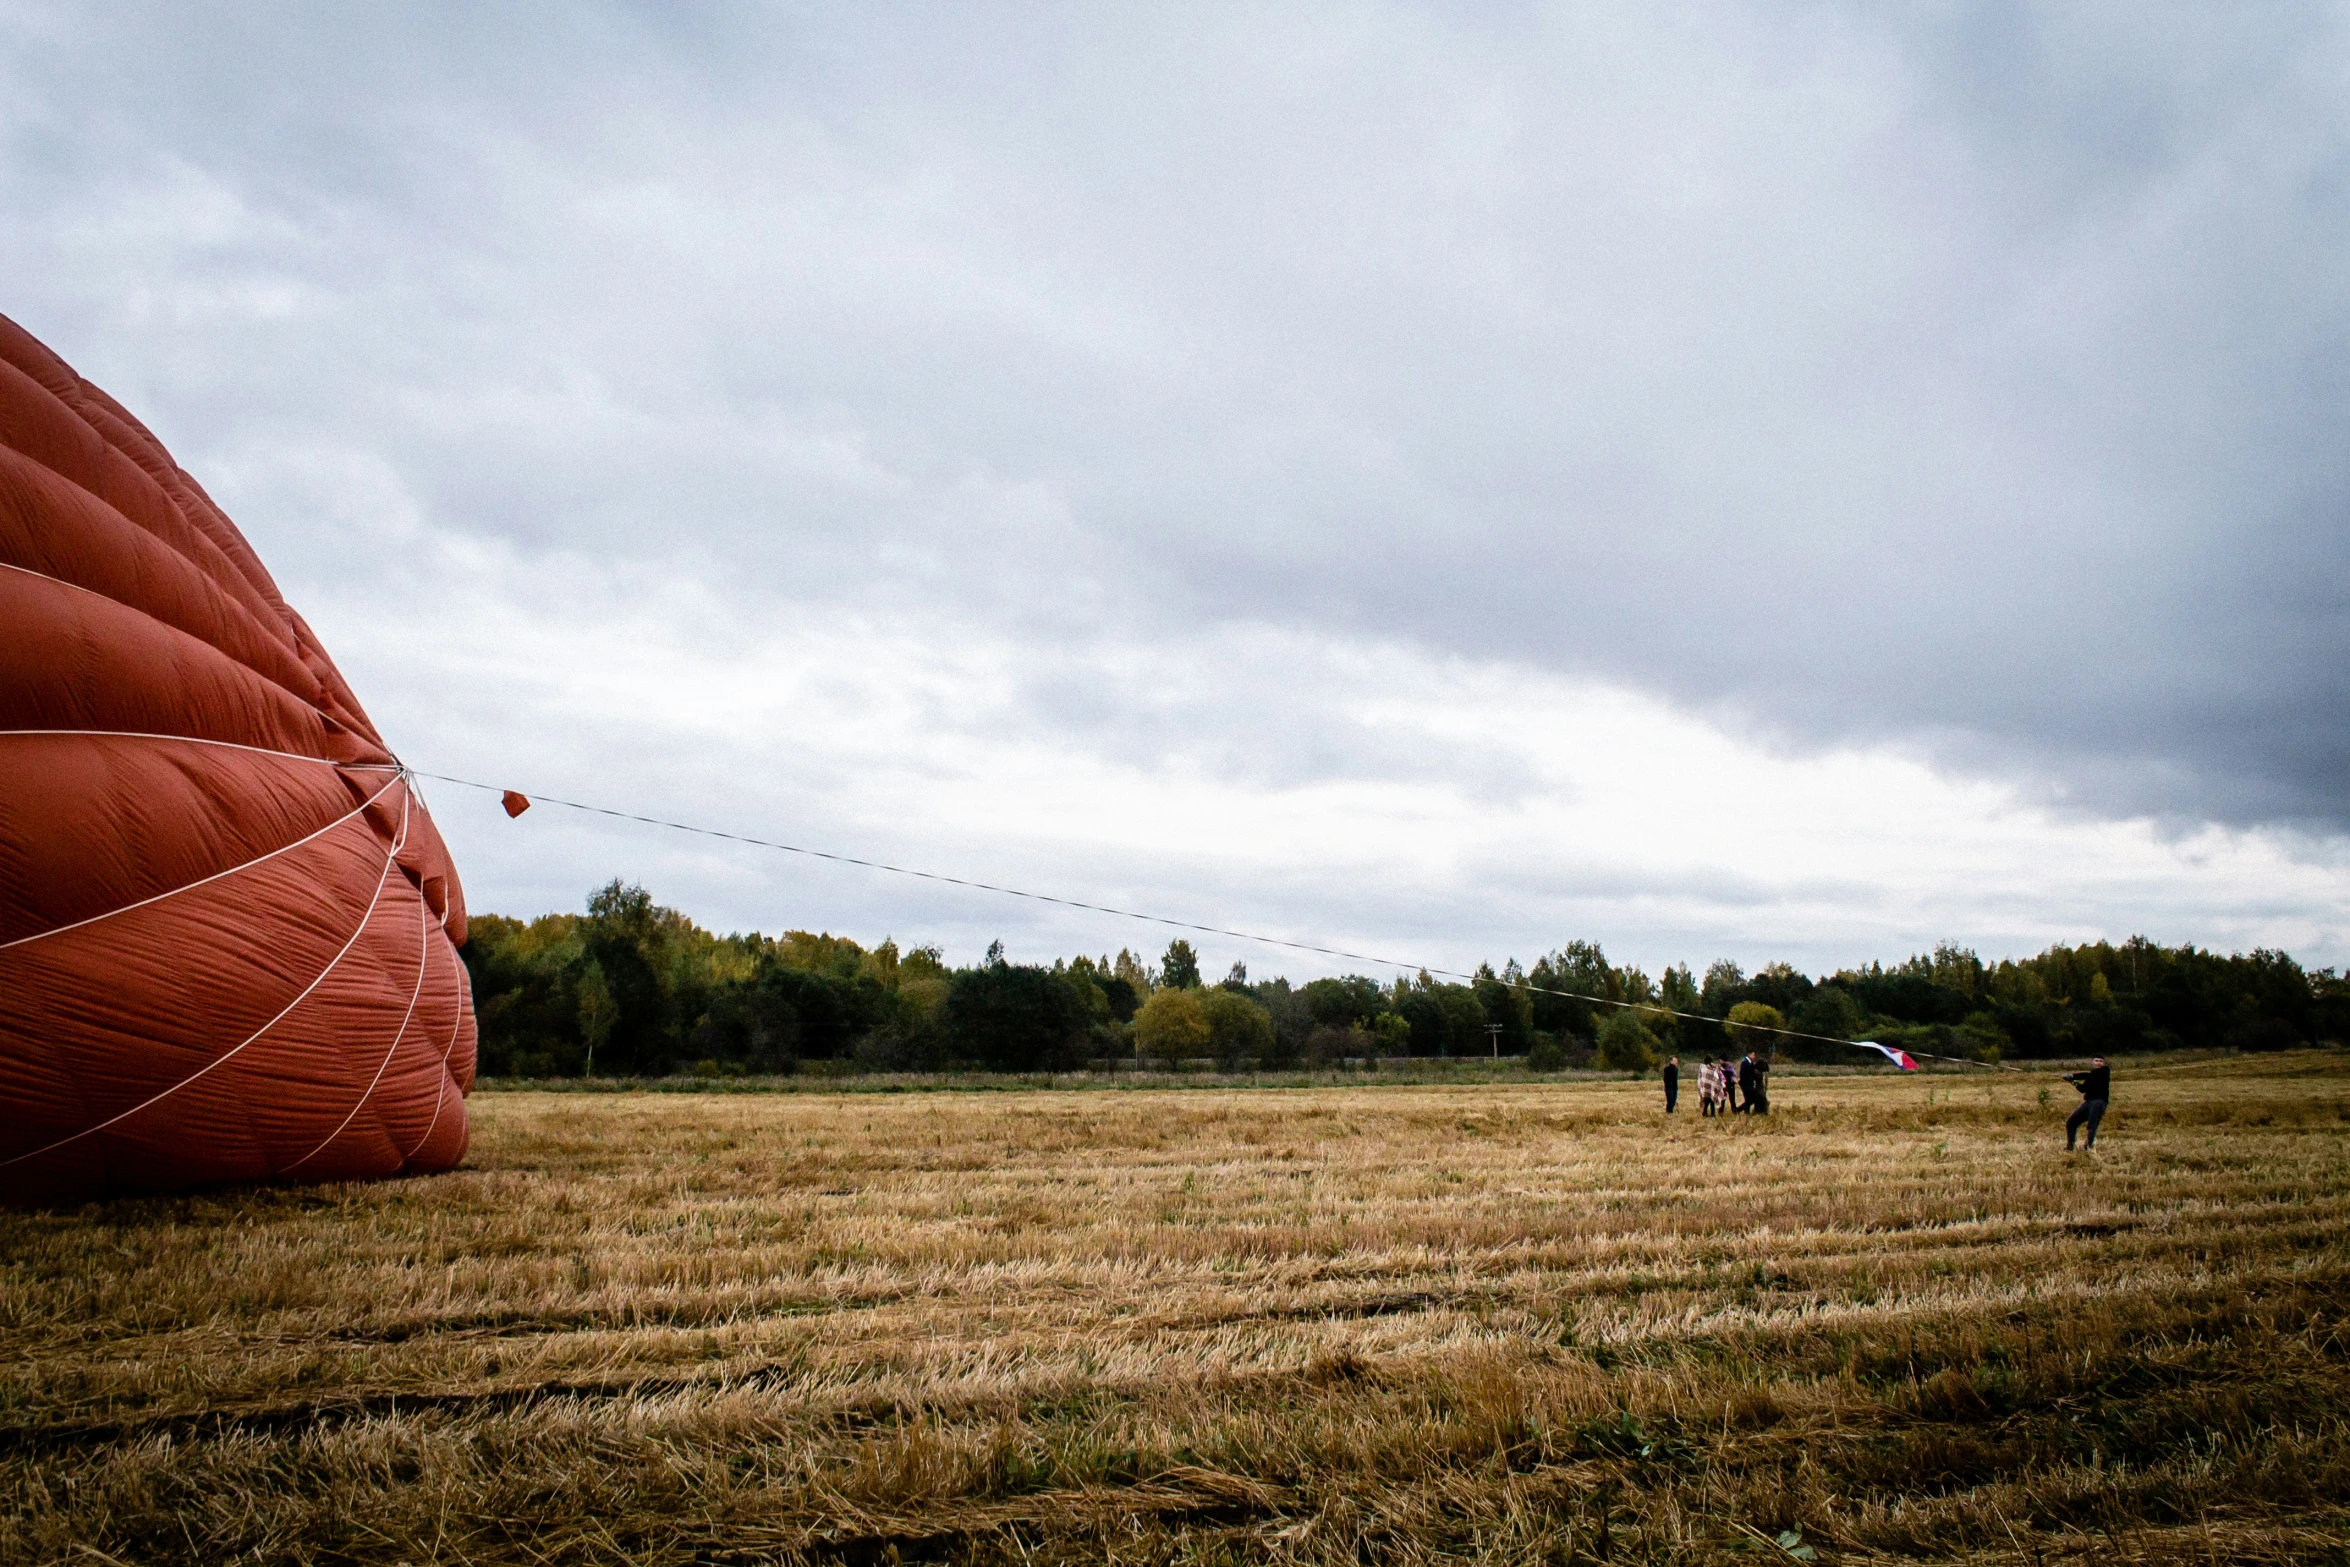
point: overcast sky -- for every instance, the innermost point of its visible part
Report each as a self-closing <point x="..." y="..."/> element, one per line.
<point x="1737" y="480"/>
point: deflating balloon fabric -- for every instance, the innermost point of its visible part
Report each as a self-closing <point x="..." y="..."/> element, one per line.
<point x="228" y="927"/>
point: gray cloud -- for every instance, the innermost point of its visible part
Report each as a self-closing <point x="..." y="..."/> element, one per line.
<point x="1974" y="379"/>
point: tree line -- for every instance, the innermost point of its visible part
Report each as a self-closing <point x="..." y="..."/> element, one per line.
<point x="631" y="987"/>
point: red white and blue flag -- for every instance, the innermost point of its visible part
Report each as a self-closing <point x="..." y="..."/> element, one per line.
<point x="1900" y="1058"/>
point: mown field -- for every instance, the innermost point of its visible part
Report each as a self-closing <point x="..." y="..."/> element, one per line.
<point x="1529" y="1323"/>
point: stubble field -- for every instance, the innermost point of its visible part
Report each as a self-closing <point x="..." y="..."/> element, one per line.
<point x="1424" y="1323"/>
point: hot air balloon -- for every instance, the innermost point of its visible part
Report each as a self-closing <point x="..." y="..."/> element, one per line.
<point x="228" y="928"/>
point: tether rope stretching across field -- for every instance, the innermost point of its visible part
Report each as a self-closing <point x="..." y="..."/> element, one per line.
<point x="1158" y="919"/>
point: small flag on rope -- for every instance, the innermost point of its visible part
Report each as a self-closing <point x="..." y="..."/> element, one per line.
<point x="515" y="804"/>
<point x="1900" y="1058"/>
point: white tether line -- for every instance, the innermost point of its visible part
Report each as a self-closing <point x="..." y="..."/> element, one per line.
<point x="398" y="844"/>
<point x="1161" y="919"/>
<point x="440" y="1095"/>
<point x="59" y="930"/>
<point x="226" y="745"/>
<point x="97" y="593"/>
<point x="423" y="952"/>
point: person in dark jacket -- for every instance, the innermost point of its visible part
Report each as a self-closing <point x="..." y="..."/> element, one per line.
<point x="1751" y="1084"/>
<point x="1672" y="1083"/>
<point x="2096" y="1086"/>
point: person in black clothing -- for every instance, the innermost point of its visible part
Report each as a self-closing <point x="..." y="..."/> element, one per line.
<point x="2096" y="1086"/>
<point x="1672" y="1083"/>
<point x="1751" y="1087"/>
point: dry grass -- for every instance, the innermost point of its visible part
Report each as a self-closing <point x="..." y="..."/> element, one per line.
<point x="1504" y="1324"/>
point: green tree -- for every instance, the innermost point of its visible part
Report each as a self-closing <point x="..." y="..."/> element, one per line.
<point x="1293" y="1024"/>
<point x="1464" y="1021"/>
<point x="1747" y="1023"/>
<point x="1431" y="1030"/>
<point x="1179" y="969"/>
<point x="1679" y="991"/>
<point x="1626" y="1043"/>
<point x="1507" y="1004"/>
<point x="1344" y="1003"/>
<point x="923" y="986"/>
<point x="1109" y="980"/>
<point x="597" y="1013"/>
<point x="1171" y="1024"/>
<point x="1124" y="999"/>
<point x="525" y="998"/>
<point x="1723" y="979"/>
<point x="1238" y="1028"/>
<point x="1134" y="972"/>
<point x="1082" y="977"/>
<point x="624" y="935"/>
<point x="1016" y="1018"/>
<point x="1580" y="968"/>
<point x="1830" y="1010"/>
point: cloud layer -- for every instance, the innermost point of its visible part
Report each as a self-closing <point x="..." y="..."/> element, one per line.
<point x="1802" y="480"/>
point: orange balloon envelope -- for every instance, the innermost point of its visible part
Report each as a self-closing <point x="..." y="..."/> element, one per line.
<point x="228" y="928"/>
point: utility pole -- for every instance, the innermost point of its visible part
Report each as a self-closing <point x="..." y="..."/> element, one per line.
<point x="1494" y="1029"/>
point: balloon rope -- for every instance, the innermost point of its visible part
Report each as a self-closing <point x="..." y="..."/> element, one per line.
<point x="382" y="877"/>
<point x="441" y="1095"/>
<point x="226" y="745"/>
<point x="423" y="956"/>
<point x="1175" y="924"/>
<point x="59" y="930"/>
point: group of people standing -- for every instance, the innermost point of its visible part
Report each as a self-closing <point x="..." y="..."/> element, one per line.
<point x="1740" y="1087"/>
<point x="1744" y="1088"/>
